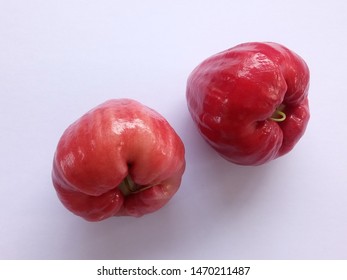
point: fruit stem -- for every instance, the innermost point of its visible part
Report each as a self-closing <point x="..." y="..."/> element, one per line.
<point x="128" y="186"/>
<point x="279" y="115"/>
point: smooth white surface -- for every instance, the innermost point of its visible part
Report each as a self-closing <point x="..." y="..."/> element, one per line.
<point x="59" y="59"/>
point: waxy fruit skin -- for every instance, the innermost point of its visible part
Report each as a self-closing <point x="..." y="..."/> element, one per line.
<point x="237" y="99"/>
<point x="118" y="141"/>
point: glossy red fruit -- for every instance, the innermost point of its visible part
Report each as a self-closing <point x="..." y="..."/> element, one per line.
<point x="250" y="102"/>
<point x="120" y="158"/>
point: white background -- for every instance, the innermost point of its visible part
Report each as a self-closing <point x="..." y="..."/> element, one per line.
<point x="58" y="59"/>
